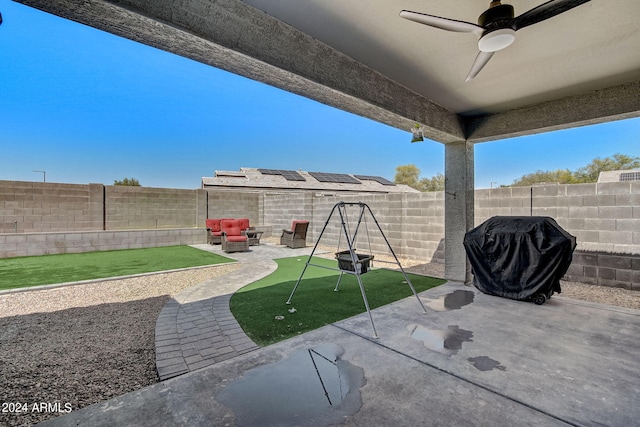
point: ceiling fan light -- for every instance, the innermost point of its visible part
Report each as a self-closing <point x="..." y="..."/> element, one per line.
<point x="496" y="40"/>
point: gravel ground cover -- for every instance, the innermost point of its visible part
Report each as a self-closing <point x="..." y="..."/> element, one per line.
<point x="74" y="346"/>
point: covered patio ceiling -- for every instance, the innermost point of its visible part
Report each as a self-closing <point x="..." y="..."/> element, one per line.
<point x="577" y="68"/>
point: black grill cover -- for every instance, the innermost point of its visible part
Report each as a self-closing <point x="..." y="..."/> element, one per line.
<point x="518" y="257"/>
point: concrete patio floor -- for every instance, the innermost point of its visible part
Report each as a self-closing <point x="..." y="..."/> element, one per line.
<point x="471" y="360"/>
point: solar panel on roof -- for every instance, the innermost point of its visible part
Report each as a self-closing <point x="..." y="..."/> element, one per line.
<point x="379" y="179"/>
<point x="292" y="176"/>
<point x="630" y="176"/>
<point x="268" y="171"/>
<point x="334" y="177"/>
<point x="288" y="175"/>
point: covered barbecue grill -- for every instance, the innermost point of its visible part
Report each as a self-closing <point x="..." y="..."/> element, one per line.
<point x="518" y="257"/>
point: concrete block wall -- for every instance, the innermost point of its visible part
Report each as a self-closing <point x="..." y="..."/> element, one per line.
<point x="281" y="209"/>
<point x="605" y="269"/>
<point x="604" y="217"/>
<point x="130" y="208"/>
<point x="13" y="245"/>
<point x="368" y="234"/>
<point x="232" y="204"/>
<point x="399" y="217"/>
<point x="322" y="208"/>
<point x="514" y="201"/>
<point x="27" y="207"/>
<point x="423" y="226"/>
<point x="388" y="211"/>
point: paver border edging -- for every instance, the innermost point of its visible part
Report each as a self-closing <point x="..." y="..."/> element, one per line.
<point x="196" y="328"/>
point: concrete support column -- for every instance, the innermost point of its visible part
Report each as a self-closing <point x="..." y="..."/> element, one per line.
<point x="458" y="208"/>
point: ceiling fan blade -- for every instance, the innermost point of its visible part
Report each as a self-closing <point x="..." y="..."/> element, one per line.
<point x="544" y="11"/>
<point x="442" y="23"/>
<point x="478" y="64"/>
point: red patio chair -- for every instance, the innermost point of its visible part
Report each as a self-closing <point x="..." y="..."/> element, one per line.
<point x="232" y="238"/>
<point x="297" y="236"/>
<point x="214" y="233"/>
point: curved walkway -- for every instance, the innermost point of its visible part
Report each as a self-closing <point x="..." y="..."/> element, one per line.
<point x="196" y="328"/>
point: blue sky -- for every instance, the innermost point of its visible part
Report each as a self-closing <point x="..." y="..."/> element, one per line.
<point x="88" y="107"/>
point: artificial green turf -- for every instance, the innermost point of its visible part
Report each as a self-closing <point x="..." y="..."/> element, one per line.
<point x="256" y="305"/>
<point x="48" y="269"/>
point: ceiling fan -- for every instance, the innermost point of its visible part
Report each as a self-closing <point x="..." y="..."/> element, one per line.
<point x="496" y="26"/>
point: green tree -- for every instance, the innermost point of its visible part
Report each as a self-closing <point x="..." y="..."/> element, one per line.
<point x="585" y="174"/>
<point x="561" y="176"/>
<point x="618" y="161"/>
<point x="408" y="175"/>
<point x="435" y="183"/>
<point x="131" y="182"/>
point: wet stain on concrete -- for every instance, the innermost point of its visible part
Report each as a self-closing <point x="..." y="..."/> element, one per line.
<point x="485" y="363"/>
<point x="452" y="301"/>
<point x="447" y="342"/>
<point x="313" y="386"/>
